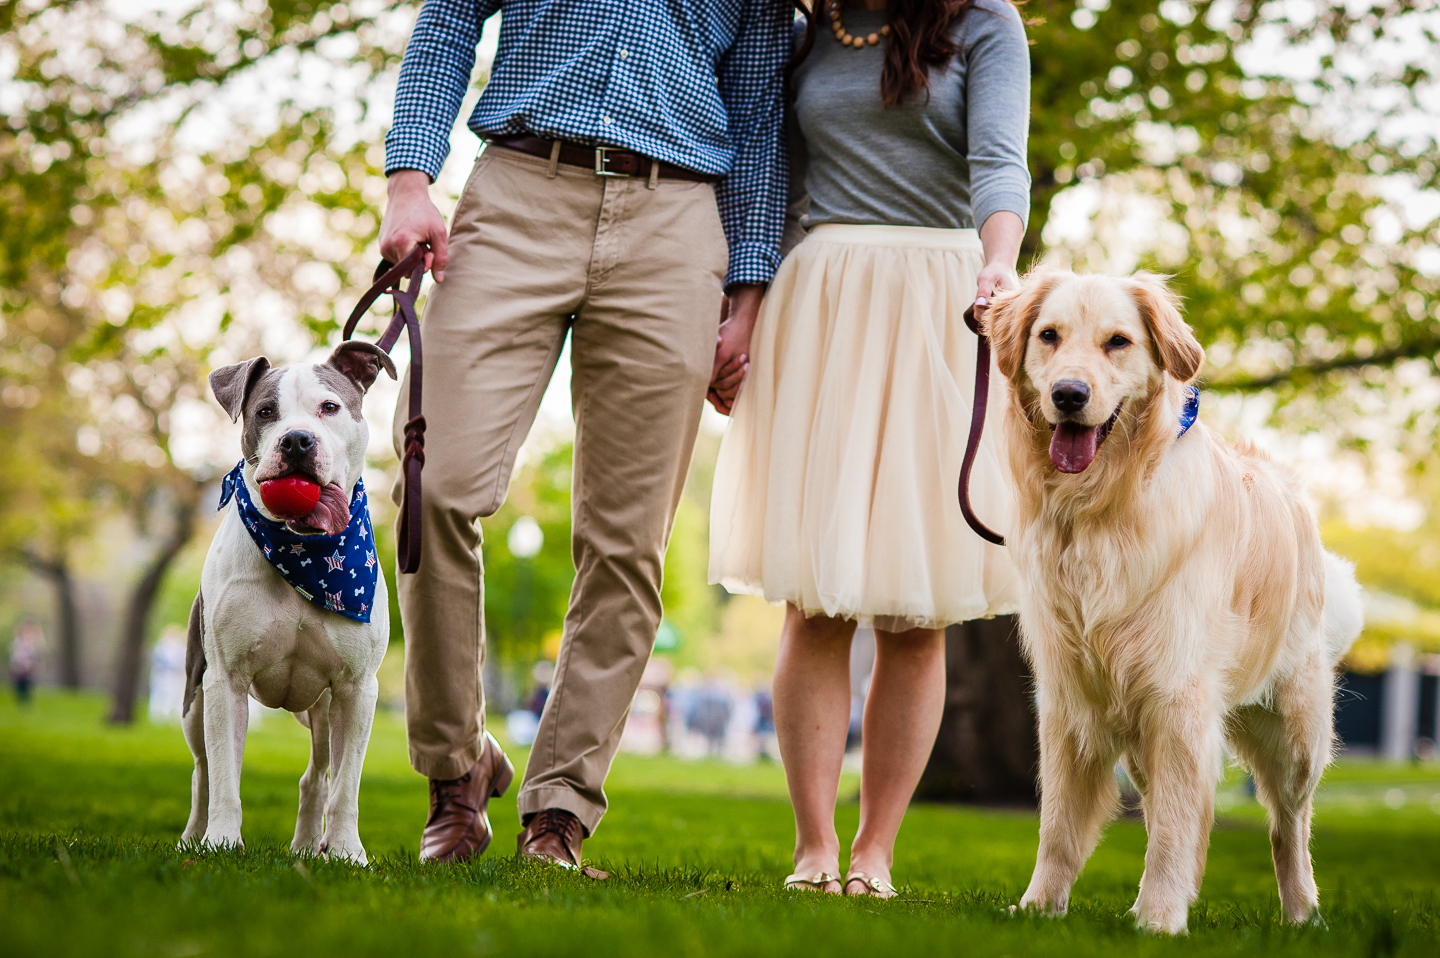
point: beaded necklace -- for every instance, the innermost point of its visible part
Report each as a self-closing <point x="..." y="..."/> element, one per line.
<point x="846" y="38"/>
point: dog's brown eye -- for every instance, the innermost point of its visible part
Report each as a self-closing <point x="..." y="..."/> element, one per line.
<point x="331" y="407"/>
<point x="1118" y="342"/>
<point x="1049" y="336"/>
<point x="266" y="412"/>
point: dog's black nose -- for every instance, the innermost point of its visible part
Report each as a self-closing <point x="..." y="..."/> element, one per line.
<point x="296" y="443"/>
<point x="1069" y="395"/>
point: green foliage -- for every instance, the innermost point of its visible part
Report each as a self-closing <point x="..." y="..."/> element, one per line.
<point x="526" y="599"/>
<point x="1404" y="563"/>
<point x="119" y="248"/>
<point x="697" y="850"/>
<point x="691" y="606"/>
<point x="1289" y="258"/>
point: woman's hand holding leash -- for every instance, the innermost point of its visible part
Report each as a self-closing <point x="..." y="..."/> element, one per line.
<point x="732" y="346"/>
<point x="1000" y="235"/>
<point x="410" y="219"/>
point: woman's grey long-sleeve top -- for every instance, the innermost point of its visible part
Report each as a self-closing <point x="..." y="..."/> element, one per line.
<point x="948" y="160"/>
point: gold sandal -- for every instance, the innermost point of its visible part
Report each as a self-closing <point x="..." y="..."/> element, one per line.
<point x="873" y="887"/>
<point x="815" y="882"/>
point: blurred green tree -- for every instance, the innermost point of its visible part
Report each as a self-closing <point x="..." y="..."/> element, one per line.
<point x="135" y="260"/>
<point x="527" y="586"/>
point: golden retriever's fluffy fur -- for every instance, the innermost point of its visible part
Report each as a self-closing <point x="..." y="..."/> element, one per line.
<point x="1176" y="594"/>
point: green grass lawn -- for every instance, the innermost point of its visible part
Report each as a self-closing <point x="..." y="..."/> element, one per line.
<point x="89" y="816"/>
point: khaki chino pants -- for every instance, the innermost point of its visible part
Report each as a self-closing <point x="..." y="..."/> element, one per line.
<point x="632" y="272"/>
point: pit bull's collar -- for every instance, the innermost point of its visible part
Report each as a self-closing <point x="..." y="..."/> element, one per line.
<point x="1191" y="412"/>
<point x="337" y="573"/>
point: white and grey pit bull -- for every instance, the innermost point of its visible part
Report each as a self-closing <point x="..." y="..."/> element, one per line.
<point x="252" y="633"/>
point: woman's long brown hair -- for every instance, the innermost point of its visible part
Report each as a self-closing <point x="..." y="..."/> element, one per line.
<point x="919" y="39"/>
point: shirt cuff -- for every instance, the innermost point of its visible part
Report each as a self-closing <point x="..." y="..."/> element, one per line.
<point x="413" y="153"/>
<point x="751" y="263"/>
<point x="1017" y="203"/>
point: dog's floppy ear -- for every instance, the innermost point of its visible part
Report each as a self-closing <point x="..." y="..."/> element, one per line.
<point x="231" y="384"/>
<point x="1011" y="314"/>
<point x="1180" y="352"/>
<point x="361" y="362"/>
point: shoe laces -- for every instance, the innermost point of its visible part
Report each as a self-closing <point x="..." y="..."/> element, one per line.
<point x="447" y="791"/>
<point x="559" y="822"/>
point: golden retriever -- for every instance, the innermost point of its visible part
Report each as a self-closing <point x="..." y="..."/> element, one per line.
<point x="1177" y="596"/>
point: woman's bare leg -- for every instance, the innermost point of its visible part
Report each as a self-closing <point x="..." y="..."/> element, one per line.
<point x="812" y="716"/>
<point x="902" y="717"/>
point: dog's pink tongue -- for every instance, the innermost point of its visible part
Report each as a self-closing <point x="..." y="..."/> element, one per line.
<point x="332" y="512"/>
<point x="1072" y="446"/>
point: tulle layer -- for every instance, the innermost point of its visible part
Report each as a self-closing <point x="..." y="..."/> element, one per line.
<point x="835" y="488"/>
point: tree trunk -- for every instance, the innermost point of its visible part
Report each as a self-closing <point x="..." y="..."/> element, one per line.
<point x="142" y="599"/>
<point x="67" y="621"/>
<point x="988" y="749"/>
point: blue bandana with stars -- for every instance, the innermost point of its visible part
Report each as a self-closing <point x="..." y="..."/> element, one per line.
<point x="337" y="573"/>
<point x="1191" y="412"/>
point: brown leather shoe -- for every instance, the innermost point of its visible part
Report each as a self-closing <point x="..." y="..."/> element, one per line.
<point x="458" y="827"/>
<point x="554" y="836"/>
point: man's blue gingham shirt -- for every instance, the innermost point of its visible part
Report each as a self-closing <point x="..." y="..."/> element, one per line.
<point x="695" y="83"/>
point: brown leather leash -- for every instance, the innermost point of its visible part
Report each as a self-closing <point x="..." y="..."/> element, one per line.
<point x="977" y="426"/>
<point x="387" y="280"/>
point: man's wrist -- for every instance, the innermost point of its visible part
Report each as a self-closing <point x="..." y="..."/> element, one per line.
<point x="405" y="180"/>
<point x="745" y="302"/>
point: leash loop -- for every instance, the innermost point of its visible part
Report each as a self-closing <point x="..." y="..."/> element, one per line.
<point x="977" y="427"/>
<point x="388" y="277"/>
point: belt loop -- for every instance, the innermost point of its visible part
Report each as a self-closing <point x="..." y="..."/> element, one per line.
<point x="554" y="159"/>
<point x="654" y="174"/>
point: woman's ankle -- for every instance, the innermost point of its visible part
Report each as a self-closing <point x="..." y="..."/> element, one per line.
<point x="871" y="864"/>
<point x="817" y="858"/>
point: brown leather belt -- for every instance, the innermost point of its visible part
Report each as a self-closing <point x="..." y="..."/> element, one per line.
<point x="604" y="160"/>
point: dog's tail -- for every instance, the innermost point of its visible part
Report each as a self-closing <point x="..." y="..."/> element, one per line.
<point x="1344" y="615"/>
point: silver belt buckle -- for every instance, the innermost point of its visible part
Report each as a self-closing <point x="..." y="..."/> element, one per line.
<point x="600" y="160"/>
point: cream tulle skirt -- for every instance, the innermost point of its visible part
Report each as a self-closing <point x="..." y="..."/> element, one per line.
<point x="836" y="484"/>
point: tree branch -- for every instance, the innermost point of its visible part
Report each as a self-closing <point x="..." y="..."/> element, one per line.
<point x="1417" y="349"/>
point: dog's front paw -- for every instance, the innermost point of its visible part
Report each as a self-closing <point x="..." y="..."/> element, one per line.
<point x="1035" y="901"/>
<point x="347" y="849"/>
<point x="219" y="838"/>
<point x="1160" y="921"/>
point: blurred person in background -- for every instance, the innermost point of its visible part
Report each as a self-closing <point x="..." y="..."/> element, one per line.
<point x="167" y="676"/>
<point x="26" y="650"/>
<point x="835" y="486"/>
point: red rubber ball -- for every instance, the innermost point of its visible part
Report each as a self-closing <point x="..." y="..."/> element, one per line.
<point x="290" y="497"/>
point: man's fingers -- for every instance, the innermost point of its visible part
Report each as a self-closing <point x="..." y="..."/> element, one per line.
<point x="729" y="367"/>
<point x="730" y="381"/>
<point x="399" y="245"/>
<point x="440" y="250"/>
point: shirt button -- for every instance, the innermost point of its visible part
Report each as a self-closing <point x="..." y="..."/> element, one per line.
<point x="624" y="54"/>
<point x="605" y="120"/>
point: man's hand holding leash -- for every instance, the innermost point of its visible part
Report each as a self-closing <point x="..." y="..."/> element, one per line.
<point x="411" y="218"/>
